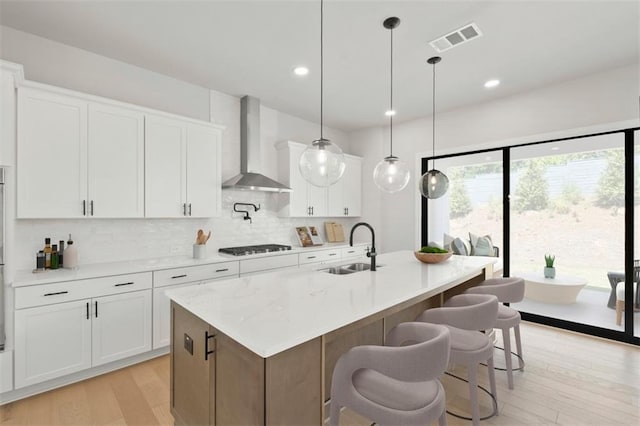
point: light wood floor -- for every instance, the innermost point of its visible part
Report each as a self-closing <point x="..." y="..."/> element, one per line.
<point x="570" y="379"/>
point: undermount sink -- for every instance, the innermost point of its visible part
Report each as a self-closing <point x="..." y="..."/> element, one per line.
<point x="349" y="268"/>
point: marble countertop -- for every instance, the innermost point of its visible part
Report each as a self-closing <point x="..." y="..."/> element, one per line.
<point x="27" y="277"/>
<point x="272" y="312"/>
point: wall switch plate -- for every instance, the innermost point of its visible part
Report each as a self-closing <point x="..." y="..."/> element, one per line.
<point x="188" y="343"/>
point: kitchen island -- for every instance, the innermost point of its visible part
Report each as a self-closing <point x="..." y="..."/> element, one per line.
<point x="261" y="349"/>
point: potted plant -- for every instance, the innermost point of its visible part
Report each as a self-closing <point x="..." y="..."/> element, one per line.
<point x="549" y="270"/>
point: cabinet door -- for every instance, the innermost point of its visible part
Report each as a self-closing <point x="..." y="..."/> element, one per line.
<point x="51" y="155"/>
<point x="51" y="341"/>
<point x="344" y="198"/>
<point x="115" y="153"/>
<point x="121" y="326"/>
<point x="162" y="315"/>
<point x="352" y="186"/>
<point x="317" y="199"/>
<point x="203" y="171"/>
<point x="298" y="198"/>
<point x="165" y="174"/>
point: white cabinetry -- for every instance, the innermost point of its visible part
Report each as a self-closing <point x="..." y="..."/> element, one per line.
<point x="182" y="168"/>
<point x="319" y="256"/>
<point x="175" y="278"/>
<point x="305" y="199"/>
<point x="345" y="196"/>
<point x="66" y="327"/>
<point x="78" y="158"/>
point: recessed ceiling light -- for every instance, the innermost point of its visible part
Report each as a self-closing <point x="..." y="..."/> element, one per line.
<point x="492" y="83"/>
<point x="301" y="71"/>
<point x="389" y="113"/>
<point x="554" y="148"/>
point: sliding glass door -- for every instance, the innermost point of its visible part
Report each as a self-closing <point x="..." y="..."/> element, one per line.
<point x="573" y="203"/>
<point x="567" y="204"/>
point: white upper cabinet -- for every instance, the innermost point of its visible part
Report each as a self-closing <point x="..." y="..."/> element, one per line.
<point x="115" y="162"/>
<point x="305" y="199"/>
<point x="78" y="158"/>
<point x="182" y="168"/>
<point x="345" y="196"/>
<point x="51" y="155"/>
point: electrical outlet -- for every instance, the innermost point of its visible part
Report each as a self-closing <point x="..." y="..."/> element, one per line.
<point x="175" y="249"/>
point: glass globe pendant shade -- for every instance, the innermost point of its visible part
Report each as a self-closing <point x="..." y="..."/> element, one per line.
<point x="434" y="184"/>
<point x="322" y="163"/>
<point x="391" y="174"/>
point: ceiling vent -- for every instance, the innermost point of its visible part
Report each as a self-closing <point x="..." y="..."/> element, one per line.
<point x="456" y="38"/>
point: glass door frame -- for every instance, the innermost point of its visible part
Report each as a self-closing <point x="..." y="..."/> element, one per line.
<point x="627" y="335"/>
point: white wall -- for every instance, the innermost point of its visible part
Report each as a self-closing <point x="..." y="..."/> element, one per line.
<point x="597" y="102"/>
<point x="104" y="240"/>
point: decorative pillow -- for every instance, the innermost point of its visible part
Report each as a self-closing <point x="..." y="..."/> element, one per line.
<point x="459" y="247"/>
<point x="481" y="246"/>
<point x="447" y="240"/>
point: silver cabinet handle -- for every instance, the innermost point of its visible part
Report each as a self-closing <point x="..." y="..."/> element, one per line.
<point x="96" y="302"/>
<point x="208" y="352"/>
<point x="91" y="204"/>
<point x="222" y="270"/>
<point x="121" y="284"/>
<point x="332" y="254"/>
<point x="179" y="276"/>
<point x="184" y="209"/>
<point x="189" y="209"/>
<point x="84" y="207"/>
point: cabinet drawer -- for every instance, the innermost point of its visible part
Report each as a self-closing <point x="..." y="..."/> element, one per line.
<point x="47" y="294"/>
<point x="355" y="251"/>
<point x="320" y="256"/>
<point x="270" y="262"/>
<point x="195" y="273"/>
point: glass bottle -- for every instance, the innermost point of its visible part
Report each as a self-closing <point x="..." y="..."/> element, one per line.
<point x="55" y="260"/>
<point x="47" y="253"/>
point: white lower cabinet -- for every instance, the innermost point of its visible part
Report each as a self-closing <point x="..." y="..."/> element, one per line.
<point x="52" y="341"/>
<point x="87" y="323"/>
<point x="121" y="326"/>
<point x="169" y="279"/>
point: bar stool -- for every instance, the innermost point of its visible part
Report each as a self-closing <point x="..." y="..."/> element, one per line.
<point x="507" y="290"/>
<point x="394" y="384"/>
<point x="466" y="315"/>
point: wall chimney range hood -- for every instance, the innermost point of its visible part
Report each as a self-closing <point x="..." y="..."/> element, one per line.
<point x="249" y="178"/>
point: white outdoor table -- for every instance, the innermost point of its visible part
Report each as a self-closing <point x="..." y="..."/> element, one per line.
<point x="562" y="290"/>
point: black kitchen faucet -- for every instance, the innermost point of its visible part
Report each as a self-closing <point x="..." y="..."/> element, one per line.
<point x="370" y="252"/>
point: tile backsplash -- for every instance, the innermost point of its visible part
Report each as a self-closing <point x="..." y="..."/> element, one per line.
<point x="111" y="240"/>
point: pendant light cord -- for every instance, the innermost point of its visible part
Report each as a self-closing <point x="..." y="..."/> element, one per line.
<point x="433" y="115"/>
<point x="391" y="101"/>
<point x="321" y="65"/>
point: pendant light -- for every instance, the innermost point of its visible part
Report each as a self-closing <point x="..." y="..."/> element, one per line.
<point x="391" y="175"/>
<point x="322" y="163"/>
<point x="434" y="183"/>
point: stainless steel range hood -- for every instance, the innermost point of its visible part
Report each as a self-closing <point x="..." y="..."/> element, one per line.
<point x="249" y="178"/>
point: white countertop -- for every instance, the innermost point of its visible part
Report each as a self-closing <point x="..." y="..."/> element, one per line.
<point x="272" y="312"/>
<point x="27" y="277"/>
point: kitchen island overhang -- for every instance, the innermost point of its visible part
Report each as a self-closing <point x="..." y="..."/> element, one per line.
<point x="274" y="338"/>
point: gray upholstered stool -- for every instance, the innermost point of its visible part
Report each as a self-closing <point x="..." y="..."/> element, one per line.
<point x="507" y="290"/>
<point x="466" y="315"/>
<point x="395" y="384"/>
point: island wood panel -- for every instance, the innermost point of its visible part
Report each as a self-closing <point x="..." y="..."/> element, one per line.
<point x="192" y="396"/>
<point x="410" y="313"/>
<point x="294" y="385"/>
<point x="461" y="288"/>
<point x="240" y="384"/>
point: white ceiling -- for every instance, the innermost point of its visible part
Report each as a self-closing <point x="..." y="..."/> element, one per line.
<point x="250" y="47"/>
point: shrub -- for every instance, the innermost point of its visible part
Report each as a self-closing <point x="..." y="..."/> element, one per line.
<point x="460" y="204"/>
<point x="532" y="193"/>
<point x="571" y="193"/>
<point x="610" y="192"/>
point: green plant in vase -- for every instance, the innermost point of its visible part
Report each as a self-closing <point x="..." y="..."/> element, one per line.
<point x="549" y="270"/>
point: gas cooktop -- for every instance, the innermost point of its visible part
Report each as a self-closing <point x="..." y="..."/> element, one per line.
<point x="260" y="248"/>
